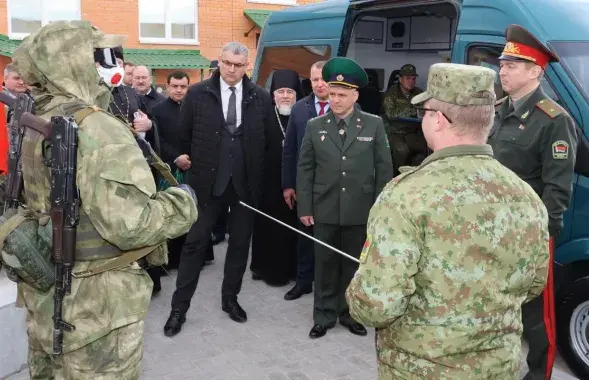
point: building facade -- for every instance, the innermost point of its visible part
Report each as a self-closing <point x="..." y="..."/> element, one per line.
<point x="165" y="35"/>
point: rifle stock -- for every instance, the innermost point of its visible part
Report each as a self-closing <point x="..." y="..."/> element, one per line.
<point x="7" y="99"/>
<point x="28" y="120"/>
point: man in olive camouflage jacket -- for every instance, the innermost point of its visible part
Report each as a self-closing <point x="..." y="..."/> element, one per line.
<point x="454" y="247"/>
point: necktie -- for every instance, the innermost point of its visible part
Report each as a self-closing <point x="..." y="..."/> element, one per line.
<point x="322" y="108"/>
<point x="232" y="112"/>
<point x="342" y="129"/>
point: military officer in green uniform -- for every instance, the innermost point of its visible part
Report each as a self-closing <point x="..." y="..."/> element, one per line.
<point x="535" y="137"/>
<point x="408" y="146"/>
<point x="344" y="163"/>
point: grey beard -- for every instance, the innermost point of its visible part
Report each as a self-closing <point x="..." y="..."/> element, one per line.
<point x="284" y="110"/>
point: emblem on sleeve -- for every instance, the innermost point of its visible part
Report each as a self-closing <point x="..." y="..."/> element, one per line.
<point x="560" y="150"/>
<point x="364" y="254"/>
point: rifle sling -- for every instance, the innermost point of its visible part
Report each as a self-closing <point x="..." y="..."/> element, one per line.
<point x="121" y="261"/>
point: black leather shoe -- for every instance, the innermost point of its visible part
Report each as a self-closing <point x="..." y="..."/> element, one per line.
<point x="296" y="292"/>
<point x="218" y="238"/>
<point x="318" y="331"/>
<point x="235" y="311"/>
<point x="174" y="323"/>
<point x="355" y="328"/>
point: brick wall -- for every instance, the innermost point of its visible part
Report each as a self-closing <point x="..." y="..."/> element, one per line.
<point x="219" y="21"/>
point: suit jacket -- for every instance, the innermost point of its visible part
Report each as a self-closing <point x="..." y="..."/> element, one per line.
<point x="166" y="114"/>
<point x="337" y="182"/>
<point x="301" y="113"/>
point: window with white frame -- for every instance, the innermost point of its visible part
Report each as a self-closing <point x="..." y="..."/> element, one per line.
<point x="26" y="16"/>
<point x="278" y="2"/>
<point x="168" y="21"/>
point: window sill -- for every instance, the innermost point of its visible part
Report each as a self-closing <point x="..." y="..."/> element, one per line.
<point x="168" y="41"/>
<point x="275" y="2"/>
<point x="18" y="36"/>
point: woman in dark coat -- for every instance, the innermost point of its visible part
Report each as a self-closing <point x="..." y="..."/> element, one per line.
<point x="274" y="247"/>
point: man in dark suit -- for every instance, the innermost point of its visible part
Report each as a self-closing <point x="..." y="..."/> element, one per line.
<point x="224" y="122"/>
<point x="167" y="116"/>
<point x="317" y="103"/>
<point x="344" y="164"/>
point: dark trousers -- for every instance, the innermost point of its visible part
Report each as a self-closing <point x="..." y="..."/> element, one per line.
<point x="220" y="227"/>
<point x="241" y="222"/>
<point x="305" y="257"/>
<point x="174" y="249"/>
<point x="333" y="272"/>
<point x="539" y="330"/>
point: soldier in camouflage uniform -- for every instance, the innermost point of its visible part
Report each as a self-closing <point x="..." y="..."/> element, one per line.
<point x="120" y="211"/>
<point x="454" y="247"/>
<point x="406" y="140"/>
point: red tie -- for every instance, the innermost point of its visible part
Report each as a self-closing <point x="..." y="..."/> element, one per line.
<point x="322" y="109"/>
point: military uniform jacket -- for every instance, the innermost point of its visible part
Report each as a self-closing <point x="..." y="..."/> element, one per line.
<point x="337" y="182"/>
<point x="453" y="249"/>
<point x="395" y="104"/>
<point x="538" y="142"/>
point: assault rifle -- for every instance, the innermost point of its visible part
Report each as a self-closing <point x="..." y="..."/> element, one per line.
<point x="65" y="214"/>
<point x="20" y="105"/>
<point x="60" y="155"/>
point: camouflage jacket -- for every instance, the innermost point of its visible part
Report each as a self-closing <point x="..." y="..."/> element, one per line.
<point x="396" y="104"/>
<point x="454" y="248"/>
<point x="117" y="190"/>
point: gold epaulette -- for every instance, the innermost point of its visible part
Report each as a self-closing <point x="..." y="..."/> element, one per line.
<point x="549" y="107"/>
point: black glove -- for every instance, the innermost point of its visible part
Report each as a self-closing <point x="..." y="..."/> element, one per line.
<point x="190" y="191"/>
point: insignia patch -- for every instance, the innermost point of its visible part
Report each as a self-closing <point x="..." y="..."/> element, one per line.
<point x="322" y="132"/>
<point x="339" y="78"/>
<point x="522" y="127"/>
<point x="360" y="138"/>
<point x="525" y="114"/>
<point x="364" y="254"/>
<point x="560" y="150"/>
<point x="322" y="137"/>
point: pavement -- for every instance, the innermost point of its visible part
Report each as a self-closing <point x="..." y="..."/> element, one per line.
<point x="272" y="345"/>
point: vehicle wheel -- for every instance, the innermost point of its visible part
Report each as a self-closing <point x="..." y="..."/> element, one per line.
<point x="572" y="326"/>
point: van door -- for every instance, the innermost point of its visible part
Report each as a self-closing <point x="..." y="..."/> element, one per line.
<point x="481" y="43"/>
<point x="359" y="6"/>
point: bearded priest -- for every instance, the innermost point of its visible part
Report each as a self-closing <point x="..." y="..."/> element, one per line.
<point x="274" y="255"/>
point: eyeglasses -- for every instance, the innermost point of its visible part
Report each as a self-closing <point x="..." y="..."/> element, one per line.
<point x="421" y="113"/>
<point x="236" y="65"/>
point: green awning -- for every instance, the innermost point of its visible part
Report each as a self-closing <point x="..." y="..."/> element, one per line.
<point x="258" y="16"/>
<point x="8" y="46"/>
<point x="167" y="59"/>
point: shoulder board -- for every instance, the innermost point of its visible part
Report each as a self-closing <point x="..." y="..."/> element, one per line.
<point x="549" y="107"/>
<point x="313" y="119"/>
<point x="499" y="102"/>
<point x="363" y="113"/>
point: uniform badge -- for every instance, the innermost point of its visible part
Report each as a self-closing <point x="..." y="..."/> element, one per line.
<point x="522" y="127"/>
<point x="365" y="249"/>
<point x="560" y="150"/>
<point x="339" y="78"/>
<point x="322" y="138"/>
<point x="525" y="114"/>
<point x="341" y="131"/>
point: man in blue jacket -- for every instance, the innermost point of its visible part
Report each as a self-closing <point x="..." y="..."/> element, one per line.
<point x="317" y="103"/>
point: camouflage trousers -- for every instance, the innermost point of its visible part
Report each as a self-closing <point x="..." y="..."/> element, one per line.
<point x="115" y="356"/>
<point x="407" y="149"/>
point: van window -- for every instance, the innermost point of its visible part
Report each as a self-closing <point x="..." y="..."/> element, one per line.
<point x="297" y="58"/>
<point x="575" y="57"/>
<point x="488" y="56"/>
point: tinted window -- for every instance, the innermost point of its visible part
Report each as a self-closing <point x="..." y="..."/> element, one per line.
<point x="575" y="57"/>
<point x="488" y="56"/>
<point x="297" y="58"/>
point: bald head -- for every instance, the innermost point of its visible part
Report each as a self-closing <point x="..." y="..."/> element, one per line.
<point x="142" y="79"/>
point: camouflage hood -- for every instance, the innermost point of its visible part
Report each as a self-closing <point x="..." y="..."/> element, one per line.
<point x="57" y="61"/>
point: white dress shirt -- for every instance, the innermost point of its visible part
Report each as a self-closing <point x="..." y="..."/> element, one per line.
<point x="226" y="93"/>
<point x="318" y="107"/>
